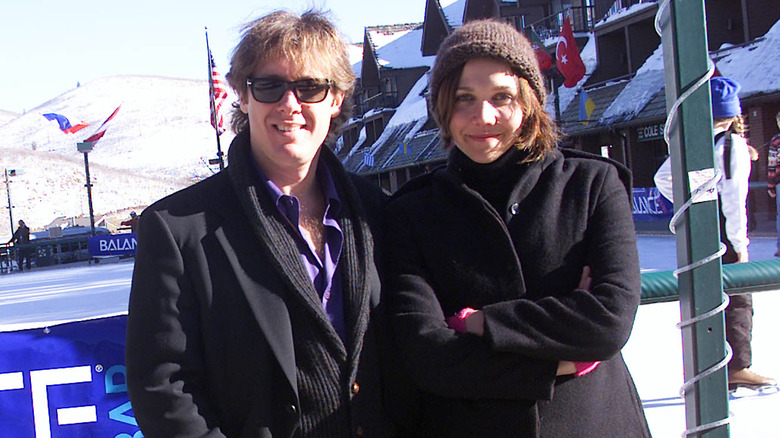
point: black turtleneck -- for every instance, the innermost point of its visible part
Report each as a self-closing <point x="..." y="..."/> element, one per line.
<point x="493" y="181"/>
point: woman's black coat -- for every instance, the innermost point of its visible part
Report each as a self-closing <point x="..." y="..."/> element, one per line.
<point x="450" y="249"/>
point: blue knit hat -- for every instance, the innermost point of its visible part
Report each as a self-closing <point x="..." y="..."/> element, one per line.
<point x="725" y="98"/>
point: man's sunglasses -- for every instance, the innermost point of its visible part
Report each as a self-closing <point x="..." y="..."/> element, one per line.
<point x="267" y="90"/>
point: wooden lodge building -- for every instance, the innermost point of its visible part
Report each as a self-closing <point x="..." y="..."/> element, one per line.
<point x="392" y="137"/>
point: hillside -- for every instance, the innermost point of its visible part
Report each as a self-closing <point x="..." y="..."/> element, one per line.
<point x="7" y="116"/>
<point x="159" y="141"/>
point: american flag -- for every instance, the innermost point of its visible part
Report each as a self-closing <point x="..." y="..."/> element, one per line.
<point x="218" y="95"/>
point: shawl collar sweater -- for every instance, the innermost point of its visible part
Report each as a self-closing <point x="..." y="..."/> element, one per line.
<point x="325" y="366"/>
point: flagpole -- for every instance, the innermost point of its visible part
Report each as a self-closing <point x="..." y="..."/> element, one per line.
<point x="214" y="116"/>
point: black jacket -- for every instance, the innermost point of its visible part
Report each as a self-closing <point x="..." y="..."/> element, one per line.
<point x="21" y="235"/>
<point x="209" y="348"/>
<point x="521" y="265"/>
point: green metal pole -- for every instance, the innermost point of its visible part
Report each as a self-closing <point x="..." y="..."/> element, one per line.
<point x="684" y="42"/>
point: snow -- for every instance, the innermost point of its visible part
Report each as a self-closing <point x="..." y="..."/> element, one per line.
<point x="453" y="12"/>
<point x="414" y="107"/>
<point x="756" y="65"/>
<point x="625" y="12"/>
<point x="45" y="297"/>
<point x="7" y="116"/>
<point x="405" y="52"/>
<point x="355" y="55"/>
<point x="159" y="142"/>
<point x="647" y="82"/>
<point x="380" y="39"/>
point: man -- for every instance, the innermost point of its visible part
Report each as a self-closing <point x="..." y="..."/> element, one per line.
<point x="254" y="296"/>
<point x="773" y="175"/>
<point x="132" y="222"/>
<point x="22" y="237"/>
<point x="732" y="156"/>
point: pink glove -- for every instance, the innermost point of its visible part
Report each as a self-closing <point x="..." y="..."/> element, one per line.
<point x="585" y="367"/>
<point x="458" y="322"/>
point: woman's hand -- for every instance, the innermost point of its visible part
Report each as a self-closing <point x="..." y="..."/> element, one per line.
<point x="566" y="367"/>
<point x="468" y="320"/>
<point x="585" y="279"/>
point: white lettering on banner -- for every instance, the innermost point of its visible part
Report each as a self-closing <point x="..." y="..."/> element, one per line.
<point x="11" y="381"/>
<point x="117" y="245"/>
<point x="83" y="414"/>
<point x="40" y="380"/>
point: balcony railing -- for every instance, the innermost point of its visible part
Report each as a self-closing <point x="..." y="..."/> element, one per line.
<point x="382" y="100"/>
<point x="582" y="20"/>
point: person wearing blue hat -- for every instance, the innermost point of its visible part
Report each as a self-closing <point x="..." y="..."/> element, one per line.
<point x="732" y="156"/>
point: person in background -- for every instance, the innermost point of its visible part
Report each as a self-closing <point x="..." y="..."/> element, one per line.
<point x="21" y="237"/>
<point x="132" y="222"/>
<point x="254" y="303"/>
<point x="732" y="156"/>
<point x="513" y="276"/>
<point x="773" y="175"/>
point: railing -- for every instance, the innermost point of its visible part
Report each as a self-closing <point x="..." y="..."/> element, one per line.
<point x="382" y="100"/>
<point x="582" y="20"/>
<point x="45" y="252"/>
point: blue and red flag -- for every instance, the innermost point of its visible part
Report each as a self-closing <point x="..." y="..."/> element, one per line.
<point x="65" y="125"/>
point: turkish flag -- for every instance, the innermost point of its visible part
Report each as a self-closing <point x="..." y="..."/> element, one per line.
<point x="568" y="58"/>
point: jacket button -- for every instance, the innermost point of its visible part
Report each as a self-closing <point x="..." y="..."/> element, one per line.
<point x="514" y="208"/>
<point x="355" y="388"/>
<point x="291" y="409"/>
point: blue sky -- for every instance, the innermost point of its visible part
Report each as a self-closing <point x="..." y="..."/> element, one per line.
<point x="48" y="46"/>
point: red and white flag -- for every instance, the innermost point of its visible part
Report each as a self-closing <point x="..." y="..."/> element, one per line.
<point x="101" y="131"/>
<point x="568" y="58"/>
<point x="218" y="95"/>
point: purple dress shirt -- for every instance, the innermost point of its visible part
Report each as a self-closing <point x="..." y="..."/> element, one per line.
<point x="324" y="274"/>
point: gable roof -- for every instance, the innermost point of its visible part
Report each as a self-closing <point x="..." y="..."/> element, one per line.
<point x="435" y="28"/>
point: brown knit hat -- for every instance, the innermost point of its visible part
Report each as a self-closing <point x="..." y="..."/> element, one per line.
<point x="486" y="39"/>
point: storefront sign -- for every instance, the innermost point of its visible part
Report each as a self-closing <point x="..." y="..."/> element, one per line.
<point x="650" y="132"/>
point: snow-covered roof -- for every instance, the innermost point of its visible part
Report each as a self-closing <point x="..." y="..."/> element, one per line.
<point x="617" y="14"/>
<point x="453" y="12"/>
<point x="755" y="65"/>
<point x="404" y="52"/>
<point x="382" y="35"/>
<point x="355" y="52"/>
<point x="647" y="82"/>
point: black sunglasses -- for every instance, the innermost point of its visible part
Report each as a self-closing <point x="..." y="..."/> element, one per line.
<point x="269" y="90"/>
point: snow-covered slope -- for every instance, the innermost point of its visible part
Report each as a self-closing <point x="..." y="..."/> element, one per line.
<point x="159" y="141"/>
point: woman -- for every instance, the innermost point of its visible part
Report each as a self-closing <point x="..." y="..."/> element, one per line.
<point x="732" y="156"/>
<point x="497" y="318"/>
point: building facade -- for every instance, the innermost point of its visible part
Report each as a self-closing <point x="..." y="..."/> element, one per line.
<point x="618" y="109"/>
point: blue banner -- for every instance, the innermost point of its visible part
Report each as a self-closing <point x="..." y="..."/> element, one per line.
<point x="66" y="381"/>
<point x="650" y="205"/>
<point x="112" y="245"/>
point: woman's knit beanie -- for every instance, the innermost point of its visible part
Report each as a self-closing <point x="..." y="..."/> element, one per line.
<point x="486" y="39"/>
